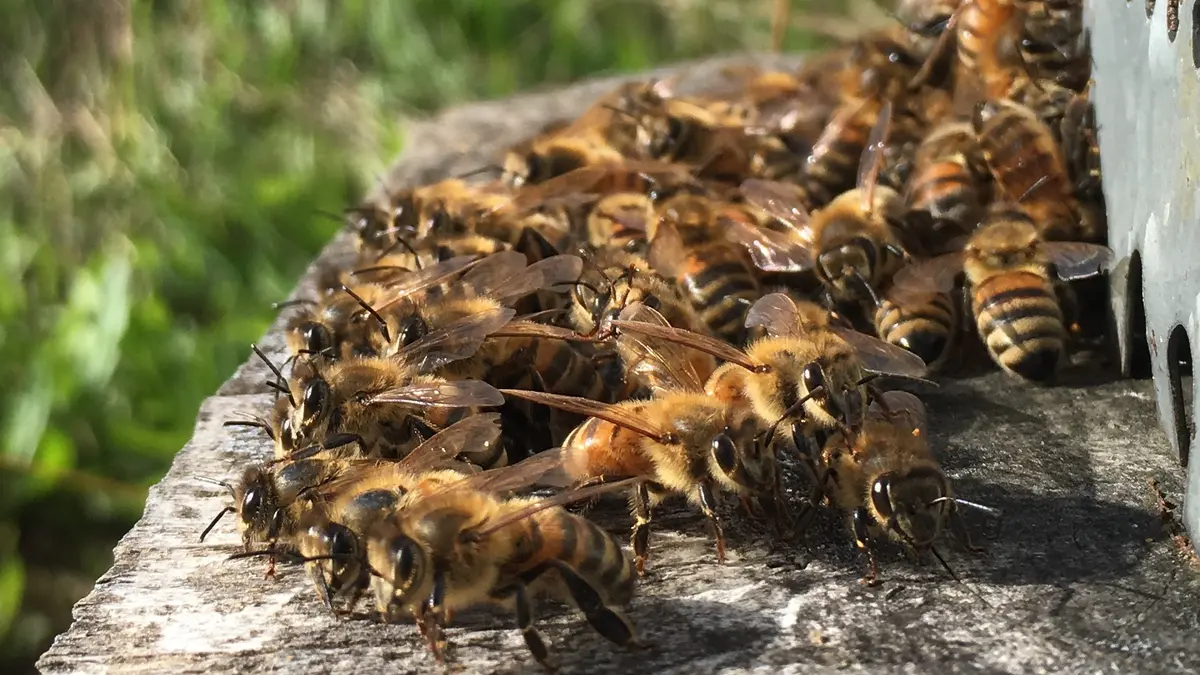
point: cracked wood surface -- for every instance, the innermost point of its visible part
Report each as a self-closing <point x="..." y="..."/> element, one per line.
<point x="1079" y="575"/>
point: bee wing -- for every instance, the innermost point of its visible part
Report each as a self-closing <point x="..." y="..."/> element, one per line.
<point x="527" y="328"/>
<point x="769" y="250"/>
<point x="777" y="313"/>
<point x="705" y="343"/>
<point x="459" y="340"/>
<point x="780" y="201"/>
<point x="902" y="409"/>
<point x="665" y="357"/>
<point x="621" y="416"/>
<point x="872" y="157"/>
<point x="667" y="254"/>
<point x="442" y="394"/>
<point x="882" y="357"/>
<point x="558" y="269"/>
<point x="1078" y="260"/>
<point x="566" y="497"/>
<point x="425" y="278"/>
<point x="941" y="49"/>
<point x="472" y="435"/>
<point x="493" y="272"/>
<point x="922" y="280"/>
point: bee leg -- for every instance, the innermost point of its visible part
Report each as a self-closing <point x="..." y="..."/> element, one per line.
<point x="524" y="606"/>
<point x="317" y="573"/>
<point x="641" y="526"/>
<point x="433" y="617"/>
<point x="607" y="622"/>
<point x="708" y="503"/>
<point x="862" y="539"/>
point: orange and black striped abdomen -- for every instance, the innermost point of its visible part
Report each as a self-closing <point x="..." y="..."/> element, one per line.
<point x="721" y="288"/>
<point x="832" y="167"/>
<point x="1021" y="323"/>
<point x="923" y="328"/>
<point x="948" y="191"/>
<point x="1021" y="152"/>
<point x="561" y="368"/>
<point x="982" y="25"/>
<point x="598" y="448"/>
<point x="597" y="556"/>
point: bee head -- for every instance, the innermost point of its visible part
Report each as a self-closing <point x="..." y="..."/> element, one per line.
<point x="911" y="505"/>
<point x="402" y="564"/>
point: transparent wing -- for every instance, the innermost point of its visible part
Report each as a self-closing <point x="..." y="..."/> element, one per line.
<point x="492" y="272"/>
<point x="566" y="497"/>
<point x="558" y="269"/>
<point x="770" y="251"/>
<point x="902" y="409"/>
<point x="662" y="363"/>
<point x="882" y="357"/>
<point x="872" y="157"/>
<point x="705" y="343"/>
<point x="667" y="254"/>
<point x="473" y="435"/>
<point x="1078" y="260"/>
<point x="459" y="340"/>
<point x="428" y="277"/>
<point x="781" y="201"/>
<point x="442" y="394"/>
<point x="923" y="280"/>
<point x="777" y="313"/>
<point x="622" y="416"/>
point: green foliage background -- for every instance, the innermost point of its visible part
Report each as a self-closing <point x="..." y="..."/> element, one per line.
<point x="162" y="167"/>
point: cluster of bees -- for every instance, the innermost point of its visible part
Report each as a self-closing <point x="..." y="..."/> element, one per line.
<point x="679" y="295"/>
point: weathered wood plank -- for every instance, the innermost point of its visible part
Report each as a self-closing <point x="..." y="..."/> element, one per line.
<point x="1079" y="576"/>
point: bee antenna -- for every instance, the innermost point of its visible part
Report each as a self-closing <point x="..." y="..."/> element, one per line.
<point x="214" y="481"/>
<point x="792" y="410"/>
<point x="281" y="388"/>
<point x="493" y="168"/>
<point x="990" y="510"/>
<point x="253" y="554"/>
<point x="227" y="509"/>
<point x="276" y="371"/>
<point x="954" y="576"/>
<point x="383" y="329"/>
<point x="284" y="304"/>
<point x="401" y="242"/>
<point x="252" y="421"/>
<point x="867" y="286"/>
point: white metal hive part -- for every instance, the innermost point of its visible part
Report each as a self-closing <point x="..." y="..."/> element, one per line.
<point x="1147" y="99"/>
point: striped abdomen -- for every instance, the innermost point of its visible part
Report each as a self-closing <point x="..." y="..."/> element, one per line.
<point x="832" y="167"/>
<point x="926" y="329"/>
<point x="595" y="555"/>
<point x="721" y="288"/>
<point x="982" y="26"/>
<point x="1020" y="151"/>
<point x="948" y="191"/>
<point x="598" y="448"/>
<point x="561" y="368"/>
<point x="1021" y="323"/>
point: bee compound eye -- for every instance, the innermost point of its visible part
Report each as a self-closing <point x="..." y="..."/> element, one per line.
<point x="814" y="377"/>
<point x="881" y="497"/>
<point x="251" y="503"/>
<point x="341" y="543"/>
<point x="316" y="337"/>
<point x="411" y="329"/>
<point x="314" y="399"/>
<point x="724" y="452"/>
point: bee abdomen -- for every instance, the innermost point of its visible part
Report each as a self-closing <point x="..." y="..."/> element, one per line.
<point x="596" y="555"/>
<point x="925" y="329"/>
<point x="721" y="295"/>
<point x="947" y="191"/>
<point x="1021" y="322"/>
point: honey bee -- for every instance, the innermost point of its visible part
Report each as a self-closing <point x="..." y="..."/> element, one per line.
<point x="443" y="208"/>
<point x="1011" y="274"/>
<point x="344" y="323"/>
<point x="985" y="38"/>
<point x="880" y="65"/>
<point x="1028" y="167"/>
<point x="329" y="537"/>
<point x="1054" y="43"/>
<point x="949" y="185"/>
<point x="467" y="544"/>
<point x="577" y="145"/>
<point x="681" y="441"/>
<point x="687" y="245"/>
<point x="851" y="245"/>
<point x="1081" y="149"/>
<point x="372" y="402"/>
<point x="271" y="498"/>
<point x="625" y="281"/>
<point x="811" y="369"/>
<point x="886" y="479"/>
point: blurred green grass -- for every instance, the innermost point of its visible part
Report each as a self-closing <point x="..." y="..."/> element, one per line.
<point x="163" y="165"/>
